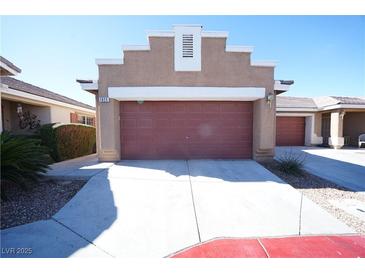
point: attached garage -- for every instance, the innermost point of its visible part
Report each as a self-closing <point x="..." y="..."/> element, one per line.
<point x="185" y="95"/>
<point x="290" y="131"/>
<point x="186" y="129"/>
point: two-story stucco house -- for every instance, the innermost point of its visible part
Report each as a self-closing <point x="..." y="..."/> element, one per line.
<point x="185" y="94"/>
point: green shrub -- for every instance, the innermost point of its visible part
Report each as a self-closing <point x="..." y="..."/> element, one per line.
<point x="23" y="160"/>
<point x="68" y="141"/>
<point x="47" y="134"/>
<point x="291" y="163"/>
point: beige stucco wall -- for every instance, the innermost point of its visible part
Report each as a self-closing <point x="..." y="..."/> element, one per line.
<point x="6" y="110"/>
<point x="353" y="126"/>
<point x="45" y="113"/>
<point x="11" y="119"/>
<point x="318" y="124"/>
<point x="156" y="68"/>
<point x="62" y="114"/>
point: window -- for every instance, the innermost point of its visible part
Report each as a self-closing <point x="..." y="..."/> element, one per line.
<point x="89" y="121"/>
<point x="86" y="120"/>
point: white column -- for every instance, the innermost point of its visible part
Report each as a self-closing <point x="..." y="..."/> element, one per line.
<point x="337" y="140"/>
<point x="311" y="138"/>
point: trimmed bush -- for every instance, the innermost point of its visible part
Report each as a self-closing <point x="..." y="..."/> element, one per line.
<point x="23" y="160"/>
<point x="68" y="141"/>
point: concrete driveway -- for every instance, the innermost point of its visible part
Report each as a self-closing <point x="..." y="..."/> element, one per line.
<point x="345" y="167"/>
<point x="156" y="208"/>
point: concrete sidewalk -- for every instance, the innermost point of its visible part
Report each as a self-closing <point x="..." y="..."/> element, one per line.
<point x="79" y="168"/>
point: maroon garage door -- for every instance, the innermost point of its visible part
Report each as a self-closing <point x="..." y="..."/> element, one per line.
<point x="290" y="131"/>
<point x="186" y="130"/>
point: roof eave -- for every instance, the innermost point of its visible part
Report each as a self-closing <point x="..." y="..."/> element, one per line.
<point x="89" y="85"/>
<point x="282" y="86"/>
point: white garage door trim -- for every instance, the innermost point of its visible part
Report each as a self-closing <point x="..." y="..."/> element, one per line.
<point x="186" y="93"/>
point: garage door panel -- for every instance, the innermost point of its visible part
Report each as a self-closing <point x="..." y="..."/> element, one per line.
<point x="179" y="123"/>
<point x="126" y="108"/>
<point x="290" y="131"/>
<point x="171" y="149"/>
<point x="239" y="107"/>
<point x="211" y="108"/>
<point x="184" y="130"/>
<point x="144" y="123"/>
<point x="162" y="123"/>
<point x="129" y="123"/>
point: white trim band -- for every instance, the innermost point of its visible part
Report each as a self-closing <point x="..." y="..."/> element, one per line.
<point x="248" y="49"/>
<point x="90" y="86"/>
<point x="186" y="93"/>
<point x="293" y="114"/>
<point x="109" y="61"/>
<point x="136" y="47"/>
<point x="279" y="86"/>
<point x="160" y="33"/>
<point x="290" y="109"/>
<point x="215" y="34"/>
<point x="169" y="33"/>
<point x="264" y="63"/>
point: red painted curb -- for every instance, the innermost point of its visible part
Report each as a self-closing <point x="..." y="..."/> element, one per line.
<point x="287" y="247"/>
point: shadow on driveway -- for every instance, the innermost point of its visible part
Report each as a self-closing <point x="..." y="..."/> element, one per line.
<point x="345" y="167"/>
<point x="234" y="171"/>
<point x="93" y="207"/>
<point x="154" y="208"/>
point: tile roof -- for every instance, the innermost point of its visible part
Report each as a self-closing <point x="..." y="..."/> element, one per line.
<point x="326" y="101"/>
<point x="295" y="102"/>
<point x="25" y="87"/>
<point x="317" y="103"/>
<point x="349" y="100"/>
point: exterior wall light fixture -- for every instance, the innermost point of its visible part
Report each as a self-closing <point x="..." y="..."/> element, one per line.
<point x="270" y="98"/>
<point x="19" y="109"/>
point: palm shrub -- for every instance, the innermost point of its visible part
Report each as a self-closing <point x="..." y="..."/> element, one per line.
<point x="23" y="160"/>
<point x="291" y="163"/>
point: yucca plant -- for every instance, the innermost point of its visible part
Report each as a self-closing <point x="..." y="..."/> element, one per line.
<point x="291" y="163"/>
<point x="23" y="160"/>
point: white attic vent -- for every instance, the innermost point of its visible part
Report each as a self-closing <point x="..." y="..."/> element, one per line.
<point x="187" y="48"/>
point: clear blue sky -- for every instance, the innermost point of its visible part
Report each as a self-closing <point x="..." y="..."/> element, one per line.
<point x="325" y="55"/>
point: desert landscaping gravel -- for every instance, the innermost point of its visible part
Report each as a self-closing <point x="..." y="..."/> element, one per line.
<point x="323" y="192"/>
<point x="40" y="202"/>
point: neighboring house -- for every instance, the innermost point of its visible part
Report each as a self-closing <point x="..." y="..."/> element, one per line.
<point x="24" y="106"/>
<point x="186" y="94"/>
<point x="329" y="120"/>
